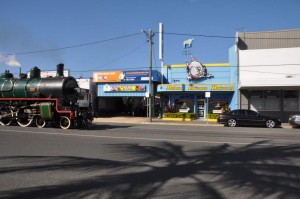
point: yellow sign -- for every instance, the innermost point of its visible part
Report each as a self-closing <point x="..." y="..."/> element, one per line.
<point x="216" y="87"/>
<point x="171" y="87"/>
<point x="124" y="88"/>
<point x="197" y="88"/>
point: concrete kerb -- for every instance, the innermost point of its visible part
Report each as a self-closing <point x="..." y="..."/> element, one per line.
<point x="145" y="120"/>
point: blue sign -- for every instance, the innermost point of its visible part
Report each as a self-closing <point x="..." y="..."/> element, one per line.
<point x="138" y="76"/>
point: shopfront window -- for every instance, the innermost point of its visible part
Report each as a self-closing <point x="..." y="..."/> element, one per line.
<point x="218" y="106"/>
<point x="256" y="100"/>
<point x="184" y="104"/>
<point x="268" y="100"/>
<point x="291" y="100"/>
<point x="272" y="100"/>
<point x="256" y="104"/>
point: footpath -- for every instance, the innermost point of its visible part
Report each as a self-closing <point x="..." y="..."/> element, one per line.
<point x="145" y="120"/>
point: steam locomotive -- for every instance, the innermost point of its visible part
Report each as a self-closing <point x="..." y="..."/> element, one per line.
<point x="42" y="101"/>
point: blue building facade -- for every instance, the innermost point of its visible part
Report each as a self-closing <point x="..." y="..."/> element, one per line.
<point x="117" y="92"/>
<point x="125" y="83"/>
<point x="201" y="88"/>
<point x="198" y="88"/>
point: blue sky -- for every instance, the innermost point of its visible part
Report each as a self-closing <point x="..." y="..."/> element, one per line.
<point x="111" y="31"/>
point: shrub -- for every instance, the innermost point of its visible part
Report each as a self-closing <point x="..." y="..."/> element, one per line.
<point x="212" y="116"/>
<point x="180" y="115"/>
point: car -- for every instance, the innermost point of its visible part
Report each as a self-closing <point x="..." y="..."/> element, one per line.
<point x="294" y="120"/>
<point x="246" y="117"/>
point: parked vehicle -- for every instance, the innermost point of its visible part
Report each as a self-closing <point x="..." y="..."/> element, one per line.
<point x="247" y="118"/>
<point x="294" y="120"/>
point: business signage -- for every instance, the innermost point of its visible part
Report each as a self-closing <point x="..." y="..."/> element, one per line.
<point x="112" y="76"/>
<point x="210" y="87"/>
<point x="124" y="76"/>
<point x="170" y="87"/>
<point x="124" y="88"/>
<point x="222" y="87"/>
<point x="196" y="70"/>
<point x="195" y="87"/>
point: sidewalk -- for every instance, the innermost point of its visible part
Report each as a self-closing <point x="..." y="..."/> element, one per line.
<point x="145" y="120"/>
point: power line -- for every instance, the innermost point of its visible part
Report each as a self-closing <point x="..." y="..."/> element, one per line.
<point x="112" y="69"/>
<point x="199" y="35"/>
<point x="241" y="68"/>
<point x="224" y="37"/>
<point x="73" y="46"/>
<point x="100" y="70"/>
<point x="117" y="59"/>
<point x="124" y="36"/>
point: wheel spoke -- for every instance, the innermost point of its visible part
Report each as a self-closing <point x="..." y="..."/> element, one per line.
<point x="65" y="122"/>
<point x="40" y="122"/>
<point x="7" y="115"/>
<point x="270" y="123"/>
<point x="232" y="122"/>
<point x="24" y="118"/>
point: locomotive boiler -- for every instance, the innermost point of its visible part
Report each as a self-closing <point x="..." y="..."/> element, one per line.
<point x="36" y="100"/>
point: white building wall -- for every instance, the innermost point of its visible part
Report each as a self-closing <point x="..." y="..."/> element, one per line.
<point x="269" y="67"/>
<point x="85" y="83"/>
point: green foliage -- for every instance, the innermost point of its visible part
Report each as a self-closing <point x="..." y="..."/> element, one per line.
<point x="180" y="115"/>
<point x="212" y="116"/>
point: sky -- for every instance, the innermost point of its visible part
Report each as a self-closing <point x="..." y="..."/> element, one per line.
<point x="105" y="35"/>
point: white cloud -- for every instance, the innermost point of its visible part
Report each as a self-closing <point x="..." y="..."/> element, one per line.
<point x="10" y="60"/>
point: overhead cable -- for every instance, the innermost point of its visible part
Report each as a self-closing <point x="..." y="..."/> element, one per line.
<point x="73" y="46"/>
<point x="224" y="37"/>
<point x="117" y="59"/>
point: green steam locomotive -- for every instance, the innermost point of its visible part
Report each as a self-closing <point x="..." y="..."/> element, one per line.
<point x="42" y="101"/>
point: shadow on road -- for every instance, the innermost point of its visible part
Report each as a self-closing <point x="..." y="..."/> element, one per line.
<point x="212" y="172"/>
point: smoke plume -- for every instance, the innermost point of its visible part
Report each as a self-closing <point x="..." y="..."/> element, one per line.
<point x="9" y="60"/>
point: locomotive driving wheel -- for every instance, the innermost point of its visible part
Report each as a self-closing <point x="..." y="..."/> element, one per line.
<point x="40" y="122"/>
<point x="24" y="117"/>
<point x="65" y="122"/>
<point x="6" y="115"/>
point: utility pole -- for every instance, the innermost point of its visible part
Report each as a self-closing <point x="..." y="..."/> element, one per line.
<point x="149" y="36"/>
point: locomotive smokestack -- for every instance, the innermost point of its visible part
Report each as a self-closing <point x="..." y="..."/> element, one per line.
<point x="60" y="70"/>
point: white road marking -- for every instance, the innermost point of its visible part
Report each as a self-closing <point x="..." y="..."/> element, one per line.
<point x="134" y="138"/>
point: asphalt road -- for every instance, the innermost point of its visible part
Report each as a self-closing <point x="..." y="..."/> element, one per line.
<point x="149" y="161"/>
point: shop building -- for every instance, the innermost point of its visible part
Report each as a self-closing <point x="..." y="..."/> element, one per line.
<point x="200" y="88"/>
<point x="269" y="72"/>
<point x="112" y="87"/>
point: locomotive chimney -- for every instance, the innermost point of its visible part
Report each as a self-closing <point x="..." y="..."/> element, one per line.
<point x="60" y="70"/>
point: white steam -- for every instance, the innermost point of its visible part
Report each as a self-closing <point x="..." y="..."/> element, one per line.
<point x="9" y="60"/>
